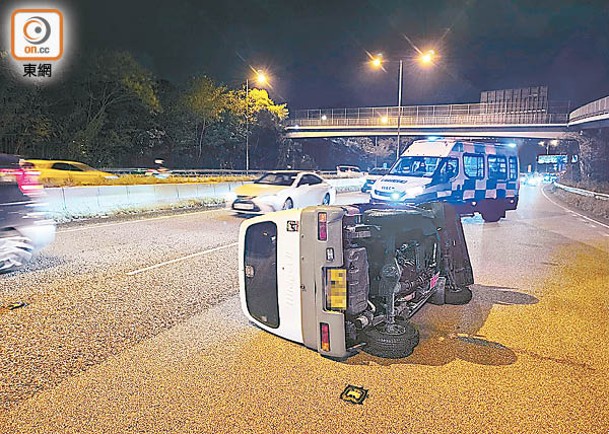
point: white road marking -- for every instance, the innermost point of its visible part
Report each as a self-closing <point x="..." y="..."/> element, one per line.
<point x="103" y="225"/>
<point x="573" y="212"/>
<point x="183" y="258"/>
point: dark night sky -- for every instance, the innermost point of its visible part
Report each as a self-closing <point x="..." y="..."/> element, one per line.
<point x="316" y="50"/>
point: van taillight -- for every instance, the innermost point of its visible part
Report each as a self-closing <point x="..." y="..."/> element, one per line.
<point x="322" y="226"/>
<point x="325" y="336"/>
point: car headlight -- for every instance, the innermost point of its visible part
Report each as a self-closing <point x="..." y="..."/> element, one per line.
<point x="413" y="192"/>
<point x="396" y="195"/>
<point x="230" y="196"/>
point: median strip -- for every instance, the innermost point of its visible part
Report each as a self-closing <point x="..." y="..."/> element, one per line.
<point x="183" y="258"/>
<point x="103" y="225"/>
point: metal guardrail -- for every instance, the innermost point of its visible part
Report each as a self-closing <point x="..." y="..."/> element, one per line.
<point x="582" y="192"/>
<point x="447" y="114"/>
<point x="595" y="108"/>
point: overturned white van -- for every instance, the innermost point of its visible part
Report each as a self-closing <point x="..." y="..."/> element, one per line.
<point x="338" y="279"/>
<point x="472" y="176"/>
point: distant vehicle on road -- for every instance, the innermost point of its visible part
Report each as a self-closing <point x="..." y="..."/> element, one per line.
<point x="279" y="190"/>
<point x="25" y="174"/>
<point x="24" y="228"/>
<point x="341" y="278"/>
<point x="532" y="179"/>
<point x="472" y="176"/>
<point x="63" y="171"/>
<point x="349" y="171"/>
<point x="373" y="176"/>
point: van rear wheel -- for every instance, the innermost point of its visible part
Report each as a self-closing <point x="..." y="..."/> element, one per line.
<point x="492" y="214"/>
<point x="391" y="341"/>
<point x="459" y="296"/>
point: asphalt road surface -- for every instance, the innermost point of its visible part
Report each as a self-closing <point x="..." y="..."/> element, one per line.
<point x="134" y="325"/>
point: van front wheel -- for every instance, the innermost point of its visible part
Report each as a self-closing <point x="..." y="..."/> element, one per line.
<point x="392" y="342"/>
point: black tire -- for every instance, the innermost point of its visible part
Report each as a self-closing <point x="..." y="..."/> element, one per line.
<point x="15" y="251"/>
<point x="288" y="204"/>
<point x="492" y="214"/>
<point x="326" y="200"/>
<point x="457" y="297"/>
<point x="381" y="343"/>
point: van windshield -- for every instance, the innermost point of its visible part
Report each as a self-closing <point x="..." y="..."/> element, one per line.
<point x="415" y="166"/>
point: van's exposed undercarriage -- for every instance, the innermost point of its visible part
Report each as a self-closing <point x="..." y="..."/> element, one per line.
<point x="396" y="261"/>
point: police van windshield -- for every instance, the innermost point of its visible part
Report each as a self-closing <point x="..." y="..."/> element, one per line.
<point x="416" y="166"/>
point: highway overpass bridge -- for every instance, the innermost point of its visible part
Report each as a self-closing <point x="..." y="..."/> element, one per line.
<point x="453" y="120"/>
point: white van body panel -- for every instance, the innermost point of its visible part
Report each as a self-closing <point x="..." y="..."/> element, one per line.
<point x="288" y="274"/>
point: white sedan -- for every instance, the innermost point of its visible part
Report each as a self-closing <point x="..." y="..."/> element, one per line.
<point x="279" y="190"/>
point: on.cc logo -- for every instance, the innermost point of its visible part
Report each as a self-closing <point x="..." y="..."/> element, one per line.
<point x="36" y="30"/>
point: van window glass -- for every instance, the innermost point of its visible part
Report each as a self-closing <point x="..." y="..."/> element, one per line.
<point x="260" y="269"/>
<point x="473" y="165"/>
<point x="513" y="166"/>
<point x="449" y="169"/>
<point x="497" y="167"/>
<point x="415" y="166"/>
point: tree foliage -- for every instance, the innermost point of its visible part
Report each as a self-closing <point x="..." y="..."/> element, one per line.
<point x="112" y="111"/>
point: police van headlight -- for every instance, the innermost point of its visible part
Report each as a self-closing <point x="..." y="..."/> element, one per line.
<point x="396" y="195"/>
<point x="413" y="192"/>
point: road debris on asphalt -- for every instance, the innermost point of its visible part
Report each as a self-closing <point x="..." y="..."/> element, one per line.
<point x="354" y="394"/>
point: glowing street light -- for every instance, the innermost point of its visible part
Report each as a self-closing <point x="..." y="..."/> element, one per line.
<point x="377" y="61"/>
<point x="384" y="119"/>
<point x="427" y="58"/>
<point x="261" y="79"/>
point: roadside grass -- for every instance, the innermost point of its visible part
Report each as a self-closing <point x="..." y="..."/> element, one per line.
<point x="143" y="180"/>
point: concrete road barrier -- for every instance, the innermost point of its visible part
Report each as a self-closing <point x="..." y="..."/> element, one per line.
<point x="73" y="202"/>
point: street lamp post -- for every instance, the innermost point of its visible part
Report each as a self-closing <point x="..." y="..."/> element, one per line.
<point x="400" y="81"/>
<point x="426" y="58"/>
<point x="260" y="79"/>
<point x="247" y="126"/>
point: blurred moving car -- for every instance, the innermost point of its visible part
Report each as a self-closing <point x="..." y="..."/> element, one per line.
<point x="532" y="179"/>
<point x="23" y="172"/>
<point x="159" y="171"/>
<point x="374" y="175"/>
<point x="24" y="228"/>
<point x="66" y="171"/>
<point x="279" y="190"/>
<point x="349" y="171"/>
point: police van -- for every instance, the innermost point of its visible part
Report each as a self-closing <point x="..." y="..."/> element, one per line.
<point x="472" y="176"/>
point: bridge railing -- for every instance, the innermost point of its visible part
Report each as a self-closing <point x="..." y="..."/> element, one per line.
<point x="448" y="114"/>
<point x="595" y="108"/>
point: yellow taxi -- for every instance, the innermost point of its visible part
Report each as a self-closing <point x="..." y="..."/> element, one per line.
<point x="62" y="171"/>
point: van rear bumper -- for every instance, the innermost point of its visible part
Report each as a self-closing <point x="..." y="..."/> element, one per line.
<point x="314" y="261"/>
